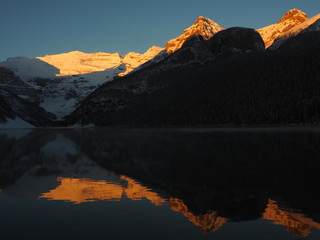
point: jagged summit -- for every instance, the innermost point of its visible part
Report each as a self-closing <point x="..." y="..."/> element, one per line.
<point x="202" y="26"/>
<point x="295" y="14"/>
<point x="293" y="22"/>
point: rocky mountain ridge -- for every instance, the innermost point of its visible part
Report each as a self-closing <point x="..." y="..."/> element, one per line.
<point x="292" y="23"/>
<point x="203" y="26"/>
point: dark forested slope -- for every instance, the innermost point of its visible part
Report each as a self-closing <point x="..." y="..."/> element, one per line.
<point x="238" y="84"/>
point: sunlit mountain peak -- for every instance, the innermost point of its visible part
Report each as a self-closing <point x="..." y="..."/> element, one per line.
<point x="202" y="26"/>
<point x="294" y="14"/>
<point x="292" y="23"/>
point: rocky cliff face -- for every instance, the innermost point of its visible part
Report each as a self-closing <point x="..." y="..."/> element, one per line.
<point x="10" y="82"/>
<point x="292" y="23"/>
<point x="202" y="26"/>
<point x="19" y="102"/>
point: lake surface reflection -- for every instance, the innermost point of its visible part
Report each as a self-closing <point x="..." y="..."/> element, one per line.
<point x="160" y="184"/>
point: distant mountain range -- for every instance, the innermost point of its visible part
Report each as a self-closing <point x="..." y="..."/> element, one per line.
<point x="65" y="79"/>
<point x="206" y="76"/>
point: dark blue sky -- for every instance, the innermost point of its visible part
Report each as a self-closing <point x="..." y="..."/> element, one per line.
<point x="38" y="27"/>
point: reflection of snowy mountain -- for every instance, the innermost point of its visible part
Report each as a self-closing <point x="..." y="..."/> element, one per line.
<point x="191" y="177"/>
<point x="39" y="167"/>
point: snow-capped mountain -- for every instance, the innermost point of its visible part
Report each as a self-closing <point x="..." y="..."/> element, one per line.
<point x="62" y="80"/>
<point x="75" y="63"/>
<point x="59" y="82"/>
<point x="27" y="68"/>
<point x="133" y="60"/>
<point x="203" y="26"/>
<point x="292" y="23"/>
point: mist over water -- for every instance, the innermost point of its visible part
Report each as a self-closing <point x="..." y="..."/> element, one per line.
<point x="160" y="184"/>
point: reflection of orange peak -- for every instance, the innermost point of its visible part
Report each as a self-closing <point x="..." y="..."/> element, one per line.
<point x="208" y="222"/>
<point x="77" y="191"/>
<point x="85" y="190"/>
<point x="297" y="223"/>
<point x="136" y="191"/>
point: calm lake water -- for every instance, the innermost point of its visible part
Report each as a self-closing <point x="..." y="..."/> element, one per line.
<point x="160" y="184"/>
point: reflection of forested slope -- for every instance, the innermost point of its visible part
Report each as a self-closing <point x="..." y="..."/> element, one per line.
<point x="233" y="173"/>
<point x="229" y="173"/>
